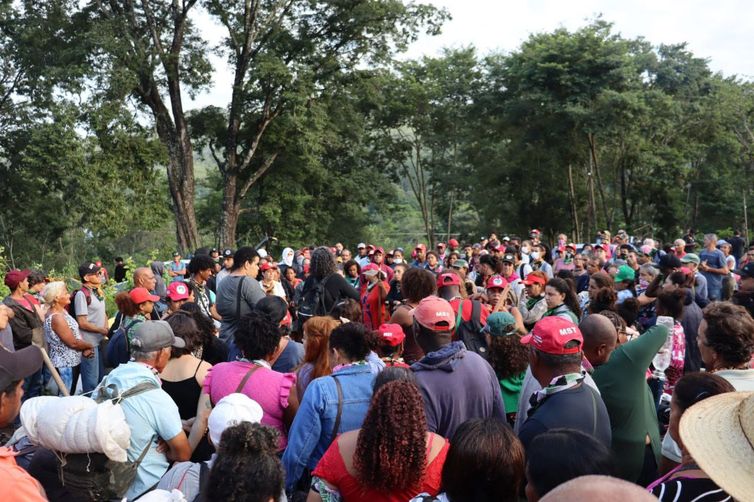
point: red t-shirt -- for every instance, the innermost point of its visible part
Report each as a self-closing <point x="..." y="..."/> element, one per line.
<point x="332" y="469"/>
<point x="373" y="306"/>
<point x="466" y="311"/>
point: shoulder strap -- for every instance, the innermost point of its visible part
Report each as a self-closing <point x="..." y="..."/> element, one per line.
<point x="476" y="311"/>
<point x="238" y="297"/>
<point x="203" y="480"/>
<point x="458" y="316"/>
<point x="246" y="378"/>
<point x="594" y="412"/>
<point x="138" y="389"/>
<point x="336" y="426"/>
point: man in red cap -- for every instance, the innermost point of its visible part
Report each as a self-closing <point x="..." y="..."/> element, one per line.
<point x="420" y="253"/>
<point x="26" y="322"/>
<point x="494" y="288"/>
<point x="473" y="313"/>
<point x="456" y="384"/>
<point x="564" y="401"/>
<point x="453" y="245"/>
<point x="378" y="258"/>
<point x="391" y="338"/>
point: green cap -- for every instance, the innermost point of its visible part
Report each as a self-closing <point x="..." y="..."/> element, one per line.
<point x="691" y="258"/>
<point x="500" y="324"/>
<point x="460" y="263"/>
<point x="625" y="273"/>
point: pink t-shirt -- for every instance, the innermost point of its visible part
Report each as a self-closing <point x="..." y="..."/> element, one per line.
<point x="268" y="388"/>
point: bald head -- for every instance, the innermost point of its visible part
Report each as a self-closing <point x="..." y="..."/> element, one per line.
<point x="600" y="338"/>
<point x="598" y="488"/>
<point x="144" y="278"/>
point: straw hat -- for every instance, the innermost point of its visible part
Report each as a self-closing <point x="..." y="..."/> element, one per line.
<point x="718" y="432"/>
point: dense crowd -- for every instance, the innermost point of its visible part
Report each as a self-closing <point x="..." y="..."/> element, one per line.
<point x="504" y="369"/>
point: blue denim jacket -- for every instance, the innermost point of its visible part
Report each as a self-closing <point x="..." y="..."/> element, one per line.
<point x="311" y="432"/>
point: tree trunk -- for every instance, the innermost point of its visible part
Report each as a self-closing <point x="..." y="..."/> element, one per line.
<point x="574" y="209"/>
<point x="595" y="165"/>
<point x="230" y="211"/>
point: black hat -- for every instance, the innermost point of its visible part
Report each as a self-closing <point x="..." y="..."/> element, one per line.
<point x="746" y="271"/>
<point x="88" y="268"/>
<point x="669" y="261"/>
<point x="227" y="253"/>
<point x="509" y="258"/>
<point x="19" y="364"/>
<point x="213" y="250"/>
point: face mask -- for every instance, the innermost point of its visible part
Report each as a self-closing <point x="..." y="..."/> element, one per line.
<point x="535" y="255"/>
<point x="398" y="260"/>
<point x="525" y="249"/>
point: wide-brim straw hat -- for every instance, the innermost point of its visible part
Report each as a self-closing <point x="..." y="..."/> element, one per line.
<point x="718" y="432"/>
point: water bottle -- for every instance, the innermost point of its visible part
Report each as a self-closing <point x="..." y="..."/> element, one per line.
<point x="662" y="359"/>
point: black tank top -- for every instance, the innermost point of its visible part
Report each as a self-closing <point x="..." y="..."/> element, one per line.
<point x="185" y="393"/>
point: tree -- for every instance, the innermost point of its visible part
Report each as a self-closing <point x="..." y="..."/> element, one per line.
<point x="285" y="55"/>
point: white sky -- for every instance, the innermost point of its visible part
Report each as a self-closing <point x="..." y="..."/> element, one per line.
<point x="721" y="31"/>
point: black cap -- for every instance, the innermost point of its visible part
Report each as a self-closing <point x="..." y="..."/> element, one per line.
<point x="747" y="271"/>
<point x="213" y="250"/>
<point x="670" y="261"/>
<point x="88" y="268"/>
<point x="227" y="253"/>
<point x="509" y="258"/>
<point x="19" y="364"/>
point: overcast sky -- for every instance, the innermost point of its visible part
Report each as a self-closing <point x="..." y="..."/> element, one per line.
<point x="721" y="31"/>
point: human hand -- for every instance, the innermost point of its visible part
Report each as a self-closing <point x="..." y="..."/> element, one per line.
<point x="162" y="446"/>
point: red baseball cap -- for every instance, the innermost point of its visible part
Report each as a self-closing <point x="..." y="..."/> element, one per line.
<point x="178" y="291"/>
<point x="378" y="249"/>
<point x="421" y="246"/>
<point x="435" y="313"/>
<point x="534" y="279"/>
<point x="141" y="295"/>
<point x="600" y="246"/>
<point x="496" y="281"/>
<point x="453" y="243"/>
<point x="15" y="277"/>
<point x="391" y="334"/>
<point x="266" y="266"/>
<point x="551" y="334"/>
<point x="370" y="269"/>
<point x="441" y="245"/>
<point x="448" y="279"/>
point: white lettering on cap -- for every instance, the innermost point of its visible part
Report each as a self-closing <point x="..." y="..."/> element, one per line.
<point x="567" y="331"/>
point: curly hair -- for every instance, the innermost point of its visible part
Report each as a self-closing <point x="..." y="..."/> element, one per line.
<point x="200" y="262"/>
<point x="603" y="280"/>
<point x="604" y="299"/>
<point x="391" y="450"/>
<point x="247" y="468"/>
<point x="417" y="284"/>
<point x="257" y="336"/>
<point x="730" y="332"/>
<point x="322" y="263"/>
<point x="125" y="305"/>
<point x="485" y="462"/>
<point x="353" y="339"/>
<point x="350" y="263"/>
<point x="316" y="352"/>
<point x="507" y="356"/>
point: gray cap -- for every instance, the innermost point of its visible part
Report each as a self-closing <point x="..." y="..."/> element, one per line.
<point x="155" y="335"/>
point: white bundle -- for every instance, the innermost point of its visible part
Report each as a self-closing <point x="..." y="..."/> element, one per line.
<point x="77" y="424"/>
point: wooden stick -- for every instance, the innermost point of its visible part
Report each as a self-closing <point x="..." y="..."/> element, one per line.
<point x="54" y="372"/>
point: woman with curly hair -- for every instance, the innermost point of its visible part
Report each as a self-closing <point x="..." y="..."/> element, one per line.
<point x="258" y="339"/>
<point x="416" y="285"/>
<point x="601" y="294"/>
<point x="324" y="269"/>
<point x="247" y="468"/>
<point x="391" y="458"/>
<point x="507" y="357"/>
<point x="316" y="361"/>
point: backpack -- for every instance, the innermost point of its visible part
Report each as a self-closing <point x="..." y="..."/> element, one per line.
<point x="72" y="305"/>
<point x="313" y="302"/>
<point x="469" y="332"/>
<point x="93" y="475"/>
<point x="119" y="348"/>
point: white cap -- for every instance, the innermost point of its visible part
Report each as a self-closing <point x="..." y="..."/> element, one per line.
<point x="232" y="410"/>
<point x="262" y="253"/>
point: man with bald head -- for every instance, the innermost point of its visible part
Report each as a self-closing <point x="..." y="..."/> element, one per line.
<point x="598" y="488"/>
<point x="144" y="278"/>
<point x="620" y="375"/>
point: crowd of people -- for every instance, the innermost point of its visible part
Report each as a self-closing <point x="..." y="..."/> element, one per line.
<point x="503" y="369"/>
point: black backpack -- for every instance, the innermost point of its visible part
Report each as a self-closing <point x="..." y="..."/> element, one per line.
<point x="470" y="332"/>
<point x="118" y="348"/>
<point x="313" y="301"/>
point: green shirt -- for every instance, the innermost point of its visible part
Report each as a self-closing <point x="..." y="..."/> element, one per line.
<point x="622" y="381"/>
<point x="510" y="388"/>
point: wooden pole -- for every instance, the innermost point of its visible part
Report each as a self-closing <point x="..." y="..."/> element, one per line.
<point x="746" y="219"/>
<point x="54" y="372"/>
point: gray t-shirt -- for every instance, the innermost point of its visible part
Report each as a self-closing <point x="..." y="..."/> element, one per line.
<point x="230" y="308"/>
<point x="95" y="314"/>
